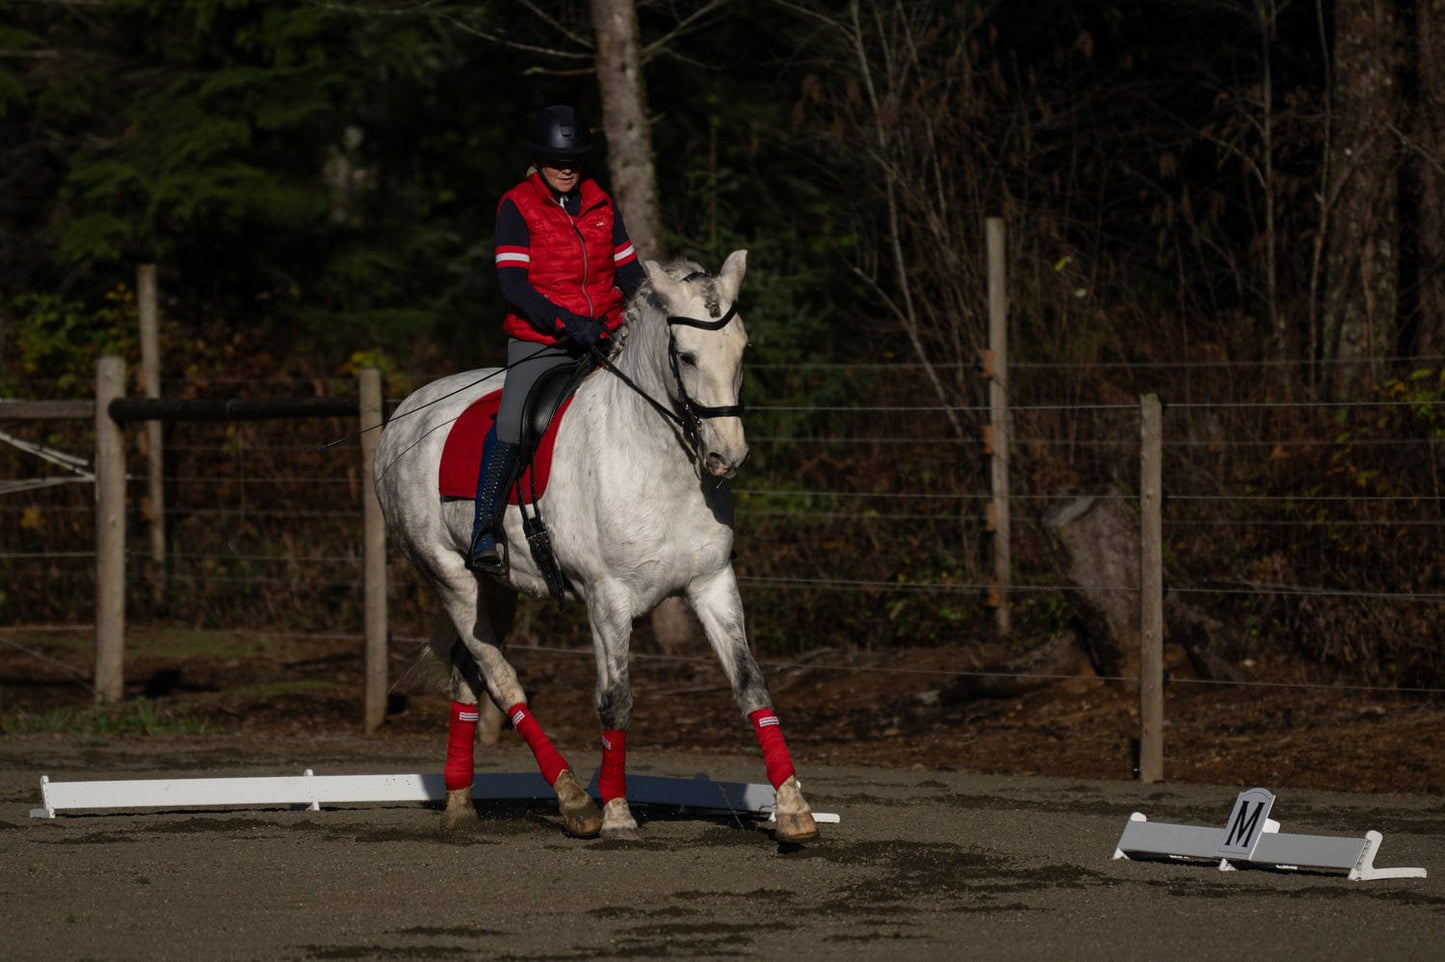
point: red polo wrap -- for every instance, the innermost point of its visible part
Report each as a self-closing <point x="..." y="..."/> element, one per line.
<point x="459" y="770"/>
<point x="612" y="780"/>
<point x="549" y="760"/>
<point x="775" y="751"/>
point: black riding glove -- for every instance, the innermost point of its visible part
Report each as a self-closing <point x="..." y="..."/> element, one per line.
<point x="586" y="331"/>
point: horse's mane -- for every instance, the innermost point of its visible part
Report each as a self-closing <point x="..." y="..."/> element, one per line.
<point x="678" y="268"/>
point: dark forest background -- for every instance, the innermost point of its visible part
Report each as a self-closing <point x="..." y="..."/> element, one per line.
<point x="1223" y="201"/>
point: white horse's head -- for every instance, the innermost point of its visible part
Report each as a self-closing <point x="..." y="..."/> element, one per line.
<point x="706" y="342"/>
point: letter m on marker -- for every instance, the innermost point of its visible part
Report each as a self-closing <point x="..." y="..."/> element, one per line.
<point x="1246" y="823"/>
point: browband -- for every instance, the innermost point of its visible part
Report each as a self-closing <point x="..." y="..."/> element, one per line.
<point x="717" y="325"/>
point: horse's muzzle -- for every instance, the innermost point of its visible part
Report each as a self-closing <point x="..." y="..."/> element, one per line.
<point x="720" y="466"/>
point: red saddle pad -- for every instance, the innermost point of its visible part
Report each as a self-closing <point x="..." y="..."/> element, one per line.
<point x="462" y="454"/>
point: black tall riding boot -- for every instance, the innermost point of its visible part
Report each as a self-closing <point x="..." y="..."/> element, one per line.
<point x="488" y="553"/>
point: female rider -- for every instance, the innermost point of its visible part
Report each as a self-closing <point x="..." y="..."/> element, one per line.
<point x="565" y="265"/>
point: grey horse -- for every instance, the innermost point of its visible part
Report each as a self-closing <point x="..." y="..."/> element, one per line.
<point x="639" y="509"/>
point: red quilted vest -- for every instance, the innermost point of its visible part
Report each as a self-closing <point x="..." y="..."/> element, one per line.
<point x="570" y="259"/>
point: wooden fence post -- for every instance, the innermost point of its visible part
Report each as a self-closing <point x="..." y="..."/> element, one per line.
<point x="999" y="419"/>
<point x="150" y="360"/>
<point x="373" y="552"/>
<point x="109" y="534"/>
<point x="1151" y="593"/>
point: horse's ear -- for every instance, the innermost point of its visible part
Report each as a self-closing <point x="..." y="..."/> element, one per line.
<point x="662" y="282"/>
<point x="731" y="275"/>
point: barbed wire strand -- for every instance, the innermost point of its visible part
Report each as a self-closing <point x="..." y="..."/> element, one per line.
<point x="83" y="679"/>
<point x="960" y="673"/>
<point x="769" y="663"/>
<point x="342" y="386"/>
<point x="1255" y="589"/>
<point x="821" y="493"/>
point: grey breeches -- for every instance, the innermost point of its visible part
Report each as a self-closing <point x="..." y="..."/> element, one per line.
<point x="526" y="362"/>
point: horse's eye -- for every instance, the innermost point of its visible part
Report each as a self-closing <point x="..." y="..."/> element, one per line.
<point x="688" y="358"/>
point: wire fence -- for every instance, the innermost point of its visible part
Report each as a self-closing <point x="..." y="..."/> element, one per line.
<point x="861" y="516"/>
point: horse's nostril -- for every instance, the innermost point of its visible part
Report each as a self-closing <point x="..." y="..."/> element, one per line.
<point x="719" y="466"/>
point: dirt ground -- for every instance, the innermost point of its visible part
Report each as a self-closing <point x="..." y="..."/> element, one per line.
<point x="919" y="865"/>
<point x="980" y="826"/>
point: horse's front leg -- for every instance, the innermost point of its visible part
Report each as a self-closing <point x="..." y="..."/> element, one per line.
<point x="720" y="609"/>
<point x="611" y="637"/>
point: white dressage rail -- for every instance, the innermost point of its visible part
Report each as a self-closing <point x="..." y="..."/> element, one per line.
<point x="1251" y="837"/>
<point x="698" y="795"/>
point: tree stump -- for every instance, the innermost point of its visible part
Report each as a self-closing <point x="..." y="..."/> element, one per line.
<point x="1096" y="544"/>
<point x="1096" y="547"/>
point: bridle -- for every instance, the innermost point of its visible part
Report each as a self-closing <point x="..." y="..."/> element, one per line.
<point x="693" y="413"/>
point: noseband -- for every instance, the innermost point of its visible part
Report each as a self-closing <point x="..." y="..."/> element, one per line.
<point x="695" y="413"/>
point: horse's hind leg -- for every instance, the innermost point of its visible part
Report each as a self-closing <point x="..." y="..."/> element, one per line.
<point x="489" y="722"/>
<point x="466" y="687"/>
<point x="470" y="714"/>
<point x="501" y="605"/>
<point x="480" y="625"/>
<point x="720" y="609"/>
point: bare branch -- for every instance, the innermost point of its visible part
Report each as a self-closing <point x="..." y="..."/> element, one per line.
<point x="582" y="40"/>
<point x="810" y="13"/>
<point x="437" y="9"/>
<point x="692" y="22"/>
<point x="376" y="10"/>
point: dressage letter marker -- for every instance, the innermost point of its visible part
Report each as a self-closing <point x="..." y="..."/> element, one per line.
<point x="1247" y="824"/>
<point x="1251" y="837"/>
<point x="698" y="795"/>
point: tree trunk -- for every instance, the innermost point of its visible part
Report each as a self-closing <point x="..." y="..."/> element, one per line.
<point x="1362" y="251"/>
<point x="1429" y="332"/>
<point x="624" y="121"/>
<point x="634" y="187"/>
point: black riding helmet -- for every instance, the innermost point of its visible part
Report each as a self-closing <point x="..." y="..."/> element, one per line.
<point x="558" y="134"/>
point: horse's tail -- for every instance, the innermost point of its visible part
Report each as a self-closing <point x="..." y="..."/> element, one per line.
<point x="431" y="669"/>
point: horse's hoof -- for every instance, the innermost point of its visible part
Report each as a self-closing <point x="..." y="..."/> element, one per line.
<point x="794" y="818"/>
<point x="580" y="816"/>
<point x="796" y="828"/>
<point x="617" y="821"/>
<point x="459" y="811"/>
